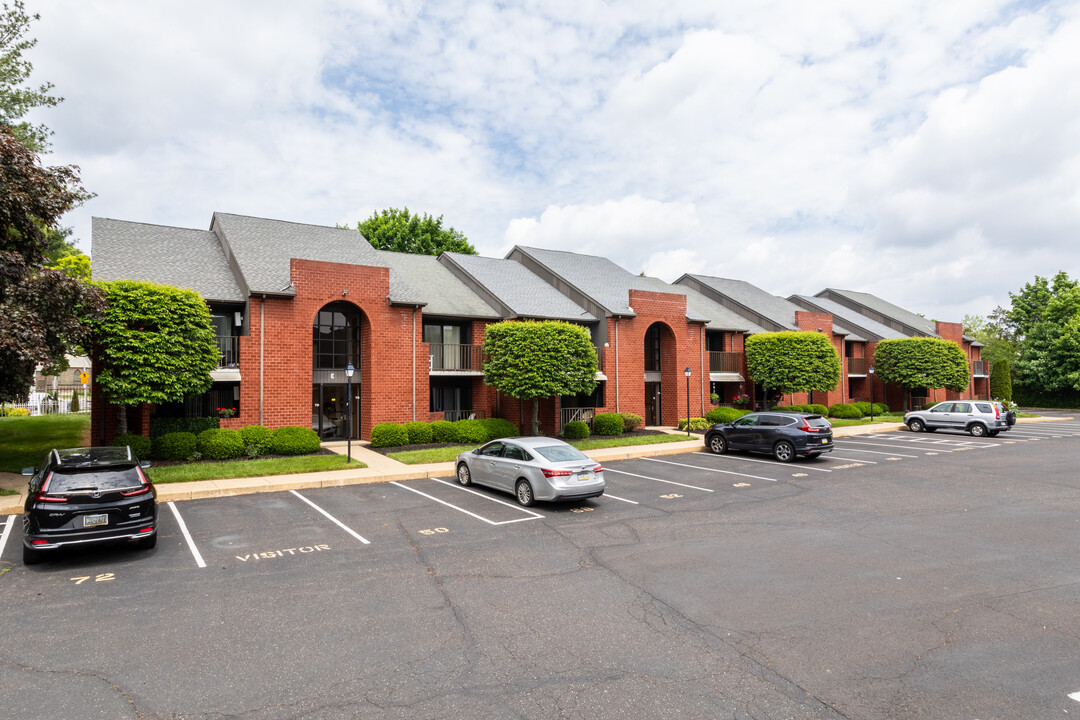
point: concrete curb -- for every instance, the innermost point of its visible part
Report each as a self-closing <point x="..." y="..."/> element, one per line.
<point x="392" y="470"/>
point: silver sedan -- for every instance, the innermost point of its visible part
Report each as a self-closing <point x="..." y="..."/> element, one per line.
<point x="532" y="468"/>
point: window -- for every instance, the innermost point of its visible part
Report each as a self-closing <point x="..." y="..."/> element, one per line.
<point x="513" y="452"/>
<point x="492" y="450"/>
<point x="748" y="421"/>
<point x="942" y="408"/>
<point x="336" y="337"/>
<point x="962" y="407"/>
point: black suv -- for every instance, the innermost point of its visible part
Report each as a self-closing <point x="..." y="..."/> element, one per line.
<point x="784" y="435"/>
<point x="88" y="495"/>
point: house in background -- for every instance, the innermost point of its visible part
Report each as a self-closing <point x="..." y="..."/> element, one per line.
<point x="294" y="304"/>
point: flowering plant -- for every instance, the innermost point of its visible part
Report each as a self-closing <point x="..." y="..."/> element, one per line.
<point x="741" y="400"/>
<point x="226" y="412"/>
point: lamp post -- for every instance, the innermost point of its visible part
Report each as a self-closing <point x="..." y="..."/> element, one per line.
<point x="349" y="370"/>
<point x="871" y="371"/>
<point x="687" y="372"/>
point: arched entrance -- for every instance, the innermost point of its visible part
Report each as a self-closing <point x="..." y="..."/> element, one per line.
<point x="335" y="343"/>
<point x="660" y="375"/>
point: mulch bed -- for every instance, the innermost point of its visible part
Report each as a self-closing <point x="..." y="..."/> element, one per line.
<point x="428" y="446"/>
<point x="165" y="463"/>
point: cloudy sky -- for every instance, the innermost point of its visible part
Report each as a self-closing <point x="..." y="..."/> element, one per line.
<point x="926" y="152"/>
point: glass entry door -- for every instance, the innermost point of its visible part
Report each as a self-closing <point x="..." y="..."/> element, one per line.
<point x="652" y="403"/>
<point x="329" y="411"/>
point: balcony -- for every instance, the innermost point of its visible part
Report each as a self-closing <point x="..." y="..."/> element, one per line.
<point x="856" y="366"/>
<point x="228" y="351"/>
<point x="980" y="368"/>
<point x="453" y="359"/>
<point x="455" y="415"/>
<point x="723" y="362"/>
<point x="582" y="414"/>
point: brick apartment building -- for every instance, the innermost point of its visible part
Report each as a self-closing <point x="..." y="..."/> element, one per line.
<point x="294" y="304"/>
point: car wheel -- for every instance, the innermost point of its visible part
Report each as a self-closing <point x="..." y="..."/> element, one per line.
<point x="916" y="425"/>
<point x="524" y="493"/>
<point x="784" y="451"/>
<point x="147" y="543"/>
<point x="977" y="430"/>
<point x="463" y="475"/>
<point x="30" y="556"/>
<point x="718" y="445"/>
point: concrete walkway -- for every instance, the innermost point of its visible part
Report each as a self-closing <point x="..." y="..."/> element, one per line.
<point x="383" y="469"/>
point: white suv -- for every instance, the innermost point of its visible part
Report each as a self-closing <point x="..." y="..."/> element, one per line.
<point x="978" y="417"/>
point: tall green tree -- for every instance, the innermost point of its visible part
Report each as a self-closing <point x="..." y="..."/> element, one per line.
<point x="998" y="343"/>
<point x="1001" y="381"/>
<point x="535" y="360"/>
<point x="792" y="361"/>
<point x="1050" y="351"/>
<point x="922" y="362"/>
<point x="155" y="344"/>
<point x="16" y="96"/>
<point x="401" y="231"/>
<point x="43" y="312"/>
<point x="1028" y="307"/>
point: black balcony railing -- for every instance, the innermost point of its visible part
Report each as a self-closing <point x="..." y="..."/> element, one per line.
<point x="725" y="362"/>
<point x="447" y="356"/>
<point x="229" y="350"/>
<point x="455" y="415"/>
<point x="857" y="366"/>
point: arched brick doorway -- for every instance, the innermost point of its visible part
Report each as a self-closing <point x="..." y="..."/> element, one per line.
<point x="661" y="376"/>
<point x="337" y="332"/>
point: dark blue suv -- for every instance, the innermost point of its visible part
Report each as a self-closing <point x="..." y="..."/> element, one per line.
<point x="784" y="435"/>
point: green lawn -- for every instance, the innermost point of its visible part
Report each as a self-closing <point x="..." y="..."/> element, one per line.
<point x="24" y="441"/>
<point x="890" y="418"/>
<point x="248" y="468"/>
<point x="5" y="491"/>
<point x="449" y="453"/>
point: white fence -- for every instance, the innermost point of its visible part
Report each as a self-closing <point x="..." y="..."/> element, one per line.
<point x="63" y="400"/>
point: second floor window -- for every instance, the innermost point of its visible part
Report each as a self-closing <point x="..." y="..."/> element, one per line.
<point x="336" y="337"/>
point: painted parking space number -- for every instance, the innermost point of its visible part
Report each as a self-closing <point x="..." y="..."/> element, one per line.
<point x="581" y="509"/>
<point x="100" y="577"/>
<point x="671" y="496"/>
<point x="434" y="531"/>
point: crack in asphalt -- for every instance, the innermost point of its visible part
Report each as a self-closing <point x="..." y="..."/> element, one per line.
<point x="79" y="673"/>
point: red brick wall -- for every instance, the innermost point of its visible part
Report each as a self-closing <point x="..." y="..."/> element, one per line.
<point x="813" y="322"/>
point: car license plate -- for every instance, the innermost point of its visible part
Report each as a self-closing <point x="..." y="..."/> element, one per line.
<point x="825" y="441"/>
<point x="93" y="520"/>
<point x="583" y="477"/>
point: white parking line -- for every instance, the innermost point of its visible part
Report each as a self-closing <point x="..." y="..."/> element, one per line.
<point x="332" y="518"/>
<point x="878" y="452"/>
<point x="669" y="482"/>
<point x="837" y="457"/>
<point x="533" y="516"/>
<point x="1075" y="696"/>
<point x="632" y="502"/>
<point x="187" y="536"/>
<point x="904" y="447"/>
<point x="7" y="531"/>
<point x="726" y="472"/>
<point x="766" y="462"/>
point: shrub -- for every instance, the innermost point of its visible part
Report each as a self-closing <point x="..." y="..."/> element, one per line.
<point x="220" y="444"/>
<point x="257" y="436"/>
<point x="471" y="432"/>
<point x="74" y="402"/>
<point x="294" y="440"/>
<point x="818" y="409"/>
<point x="630" y="421"/>
<point x="696" y="424"/>
<point x="139" y="444"/>
<point x="164" y="426"/>
<point x="499" y="428"/>
<point x="844" y="411"/>
<point x="607" y="424"/>
<point x="174" y="446"/>
<point x="389" y="434"/>
<point x="724" y="415"/>
<point x="880" y="408"/>
<point x="575" y="430"/>
<point x="443" y="431"/>
<point x="863" y="406"/>
<point x="419" y="432"/>
<point x="14" y="412"/>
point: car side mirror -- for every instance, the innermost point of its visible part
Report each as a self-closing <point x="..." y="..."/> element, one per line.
<point x="28" y="471"/>
<point x="144" y="463"/>
<point x="476" y="451"/>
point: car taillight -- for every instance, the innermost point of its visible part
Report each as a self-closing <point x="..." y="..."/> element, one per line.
<point x="598" y="469"/>
<point x="43" y="494"/>
<point x="997" y="412"/>
<point x="145" y="485"/>
<point x="555" y="473"/>
<point x="146" y="530"/>
<point x="805" y="427"/>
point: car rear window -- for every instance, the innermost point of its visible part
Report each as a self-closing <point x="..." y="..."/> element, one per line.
<point x="65" y="481"/>
<point x="817" y="421"/>
<point x="983" y="407"/>
<point x="561" y="453"/>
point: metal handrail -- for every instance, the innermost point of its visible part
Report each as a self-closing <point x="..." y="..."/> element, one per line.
<point x="856" y="366"/>
<point x="453" y="356"/>
<point x="228" y="351"/>
<point x="727" y="362"/>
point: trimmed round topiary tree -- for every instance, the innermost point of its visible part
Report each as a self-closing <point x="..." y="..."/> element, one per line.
<point x="607" y="424"/>
<point x="575" y="430"/>
<point x="389" y="434"/>
<point x="630" y="421"/>
<point x="294" y="440"/>
<point x="220" y="444"/>
<point x="174" y="446"/>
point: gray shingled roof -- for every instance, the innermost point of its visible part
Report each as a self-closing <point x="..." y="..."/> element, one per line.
<point x="191" y="259"/>
<point x="443" y="292"/>
<point x="777" y="309"/>
<point x="887" y="309"/>
<point x="263" y="248"/>
<point x="516" y="287"/>
<point x="719" y="317"/>
<point x="853" y="319"/>
<point x="598" y="278"/>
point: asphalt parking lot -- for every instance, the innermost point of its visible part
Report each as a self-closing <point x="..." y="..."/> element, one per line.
<point x="905" y="575"/>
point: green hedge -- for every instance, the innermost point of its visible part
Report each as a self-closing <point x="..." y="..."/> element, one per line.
<point x="724" y="415"/>
<point x="1032" y="398"/>
<point x="880" y="408"/>
<point x="174" y="446"/>
<point x="844" y="411"/>
<point x="863" y="406"/>
<point x="389" y="434"/>
<point x="139" y="444"/>
<point x="256" y="436"/>
<point x="164" y="426"/>
<point x="630" y="421"/>
<point x="419" y="432"/>
<point x="294" y="440"/>
<point x="472" y="432"/>
<point x="499" y="428"/>
<point x="698" y="424"/>
<point x="443" y="431"/>
<point x="607" y="424"/>
<point x="575" y="430"/>
<point x="219" y="444"/>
